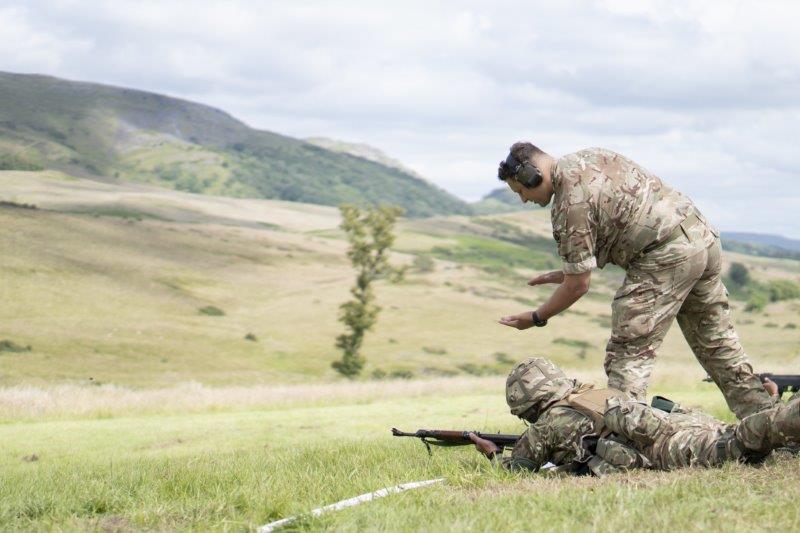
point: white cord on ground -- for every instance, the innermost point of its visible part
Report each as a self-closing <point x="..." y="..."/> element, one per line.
<point x="350" y="502"/>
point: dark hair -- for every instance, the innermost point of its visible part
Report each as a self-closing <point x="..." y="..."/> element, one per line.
<point x="522" y="152"/>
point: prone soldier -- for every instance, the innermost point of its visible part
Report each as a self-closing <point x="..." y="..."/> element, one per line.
<point x="586" y="430"/>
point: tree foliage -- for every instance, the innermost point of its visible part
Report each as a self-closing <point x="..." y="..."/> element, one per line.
<point x="370" y="234"/>
<point x="759" y="294"/>
<point x="739" y="274"/>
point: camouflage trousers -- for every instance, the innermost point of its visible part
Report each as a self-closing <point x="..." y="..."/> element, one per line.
<point x="680" y="279"/>
<point x="678" y="440"/>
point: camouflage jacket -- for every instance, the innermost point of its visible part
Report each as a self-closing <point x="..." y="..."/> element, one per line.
<point x="557" y="437"/>
<point x="607" y="209"/>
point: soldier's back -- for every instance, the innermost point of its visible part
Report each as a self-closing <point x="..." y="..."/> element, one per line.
<point x="631" y="207"/>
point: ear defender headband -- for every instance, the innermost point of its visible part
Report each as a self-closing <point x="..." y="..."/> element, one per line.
<point x="526" y="173"/>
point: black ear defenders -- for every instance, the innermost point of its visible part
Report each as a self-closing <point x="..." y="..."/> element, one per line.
<point x="526" y="173"/>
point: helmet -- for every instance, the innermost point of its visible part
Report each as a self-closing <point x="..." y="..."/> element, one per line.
<point x="534" y="385"/>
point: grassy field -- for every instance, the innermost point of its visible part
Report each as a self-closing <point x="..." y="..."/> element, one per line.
<point x="233" y="464"/>
<point x="165" y="364"/>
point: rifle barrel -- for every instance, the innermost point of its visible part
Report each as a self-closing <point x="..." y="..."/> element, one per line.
<point x="785" y="382"/>
<point x="456" y="437"/>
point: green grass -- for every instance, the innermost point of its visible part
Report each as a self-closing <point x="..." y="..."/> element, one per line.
<point x="11" y="346"/>
<point x="495" y="256"/>
<point x="239" y="469"/>
<point x="211" y="310"/>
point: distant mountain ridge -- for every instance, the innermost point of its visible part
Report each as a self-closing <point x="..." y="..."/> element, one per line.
<point x="362" y="150"/>
<point x="101" y="131"/>
<point x="761" y="244"/>
<point x="767" y="239"/>
<point x="500" y="200"/>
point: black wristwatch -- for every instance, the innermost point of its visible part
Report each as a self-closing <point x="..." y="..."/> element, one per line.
<point x="538" y="322"/>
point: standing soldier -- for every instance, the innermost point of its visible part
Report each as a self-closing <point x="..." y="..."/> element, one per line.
<point x="608" y="209"/>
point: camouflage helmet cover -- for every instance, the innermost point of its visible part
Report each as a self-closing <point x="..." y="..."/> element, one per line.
<point x="534" y="385"/>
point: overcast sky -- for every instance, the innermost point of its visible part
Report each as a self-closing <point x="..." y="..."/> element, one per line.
<point x="706" y="94"/>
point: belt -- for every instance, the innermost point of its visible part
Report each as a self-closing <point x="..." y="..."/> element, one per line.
<point x="679" y="230"/>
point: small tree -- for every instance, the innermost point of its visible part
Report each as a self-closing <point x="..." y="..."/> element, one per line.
<point x="423" y="263"/>
<point x="739" y="274"/>
<point x="370" y="235"/>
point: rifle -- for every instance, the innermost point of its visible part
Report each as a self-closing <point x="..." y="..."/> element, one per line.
<point x="443" y="437"/>
<point x="785" y="382"/>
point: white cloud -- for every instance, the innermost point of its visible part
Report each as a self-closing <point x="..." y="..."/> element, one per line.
<point x="24" y="47"/>
<point x="702" y="92"/>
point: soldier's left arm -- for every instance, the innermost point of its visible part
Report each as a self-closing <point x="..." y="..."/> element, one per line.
<point x="575" y="229"/>
<point x="568" y="292"/>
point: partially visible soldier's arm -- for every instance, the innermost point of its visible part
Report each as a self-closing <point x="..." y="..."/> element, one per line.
<point x="569" y="292"/>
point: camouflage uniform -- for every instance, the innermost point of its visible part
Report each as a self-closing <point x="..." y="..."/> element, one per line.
<point x="607" y="209"/>
<point x="629" y="434"/>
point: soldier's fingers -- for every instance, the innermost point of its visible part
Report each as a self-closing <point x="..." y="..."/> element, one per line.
<point x="770" y="387"/>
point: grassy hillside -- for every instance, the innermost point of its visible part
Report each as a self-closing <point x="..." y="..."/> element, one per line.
<point x="100" y="131"/>
<point x="776" y="241"/>
<point x="501" y="200"/>
<point x="361" y="150"/>
<point x="107" y="283"/>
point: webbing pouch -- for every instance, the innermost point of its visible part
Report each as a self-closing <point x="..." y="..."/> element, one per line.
<point x="662" y="404"/>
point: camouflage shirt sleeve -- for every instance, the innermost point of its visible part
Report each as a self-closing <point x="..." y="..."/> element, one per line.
<point x="531" y="451"/>
<point x="556" y="437"/>
<point x="575" y="226"/>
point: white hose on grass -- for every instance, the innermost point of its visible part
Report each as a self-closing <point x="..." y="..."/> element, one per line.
<point x="350" y="502"/>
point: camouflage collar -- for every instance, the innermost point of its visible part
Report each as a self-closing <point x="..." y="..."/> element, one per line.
<point x="555" y="177"/>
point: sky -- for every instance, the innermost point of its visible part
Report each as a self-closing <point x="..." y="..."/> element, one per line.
<point x="705" y="94"/>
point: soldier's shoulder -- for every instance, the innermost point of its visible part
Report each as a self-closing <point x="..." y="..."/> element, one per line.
<point x="573" y="167"/>
<point x="564" y="416"/>
<point x="588" y="155"/>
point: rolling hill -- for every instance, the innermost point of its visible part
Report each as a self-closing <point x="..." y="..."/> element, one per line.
<point x="105" y="132"/>
<point x="107" y="283"/>
<point x="500" y="200"/>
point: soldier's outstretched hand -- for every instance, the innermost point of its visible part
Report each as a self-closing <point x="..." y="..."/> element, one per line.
<point x="522" y="320"/>
<point x="556" y="276"/>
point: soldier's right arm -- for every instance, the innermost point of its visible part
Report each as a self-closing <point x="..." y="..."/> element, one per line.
<point x="532" y="450"/>
<point x="556" y="437"/>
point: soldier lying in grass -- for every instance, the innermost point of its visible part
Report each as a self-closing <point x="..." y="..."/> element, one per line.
<point x="583" y="429"/>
